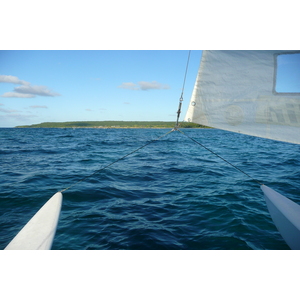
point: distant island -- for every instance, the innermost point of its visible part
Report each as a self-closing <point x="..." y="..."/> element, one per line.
<point x="112" y="124"/>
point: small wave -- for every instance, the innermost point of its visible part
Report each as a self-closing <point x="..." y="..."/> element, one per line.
<point x="170" y="195"/>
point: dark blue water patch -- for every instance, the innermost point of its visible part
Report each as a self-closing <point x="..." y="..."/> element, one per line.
<point x="172" y="194"/>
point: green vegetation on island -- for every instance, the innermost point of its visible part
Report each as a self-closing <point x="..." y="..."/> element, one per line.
<point x="112" y="124"/>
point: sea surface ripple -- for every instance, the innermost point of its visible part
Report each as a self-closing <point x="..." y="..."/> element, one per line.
<point x="172" y="194"/>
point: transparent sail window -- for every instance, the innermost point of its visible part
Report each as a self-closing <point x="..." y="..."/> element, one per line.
<point x="288" y="73"/>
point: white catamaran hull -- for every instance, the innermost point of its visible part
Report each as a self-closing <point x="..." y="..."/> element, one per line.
<point x="286" y="216"/>
<point x="38" y="233"/>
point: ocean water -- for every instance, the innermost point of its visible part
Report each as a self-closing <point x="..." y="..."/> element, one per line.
<point x="172" y="194"/>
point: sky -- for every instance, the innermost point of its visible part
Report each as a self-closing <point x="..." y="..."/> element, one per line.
<point x="288" y="73"/>
<point x="94" y="85"/>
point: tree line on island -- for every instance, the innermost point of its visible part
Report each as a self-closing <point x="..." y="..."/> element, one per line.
<point x="112" y="124"/>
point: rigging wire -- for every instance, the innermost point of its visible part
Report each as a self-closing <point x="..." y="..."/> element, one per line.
<point x="121" y="158"/>
<point x="174" y="129"/>
<point x="238" y="169"/>
<point x="183" y="85"/>
<point x="177" y="126"/>
<point x="186" y="70"/>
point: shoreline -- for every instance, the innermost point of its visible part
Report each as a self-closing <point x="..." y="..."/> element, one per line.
<point x="113" y="125"/>
<point x="28" y="127"/>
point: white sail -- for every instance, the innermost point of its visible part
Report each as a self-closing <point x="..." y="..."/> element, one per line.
<point x="236" y="91"/>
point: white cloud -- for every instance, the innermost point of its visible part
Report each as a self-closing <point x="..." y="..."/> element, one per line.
<point x="144" y="86"/>
<point x="153" y="85"/>
<point x="38" y="106"/>
<point x="16" y="95"/>
<point x="18" y="117"/>
<point x="12" y="79"/>
<point x="7" y="111"/>
<point x="25" y="90"/>
<point x="88" y="109"/>
<point x="35" y="90"/>
<point x="128" y="86"/>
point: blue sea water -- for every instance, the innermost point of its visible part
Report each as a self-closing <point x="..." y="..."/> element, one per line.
<point x="172" y="194"/>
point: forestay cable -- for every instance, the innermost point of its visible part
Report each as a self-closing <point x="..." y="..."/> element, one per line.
<point x="107" y="166"/>
<point x="183" y="85"/>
